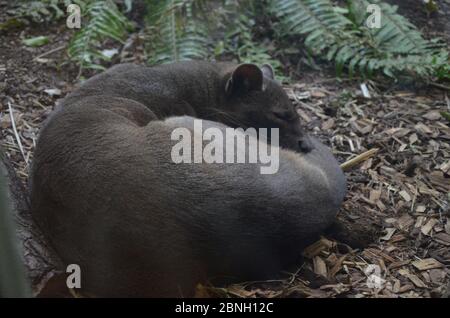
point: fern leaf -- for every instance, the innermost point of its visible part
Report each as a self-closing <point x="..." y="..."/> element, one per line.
<point x="399" y="46"/>
<point x="396" y="33"/>
<point x="316" y="19"/>
<point x="179" y="34"/>
<point x="340" y="35"/>
<point x="104" y="21"/>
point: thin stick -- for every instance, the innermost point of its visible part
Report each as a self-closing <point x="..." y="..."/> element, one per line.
<point x="346" y="166"/>
<point x="16" y="134"/>
<point x="440" y="86"/>
<point x="59" y="48"/>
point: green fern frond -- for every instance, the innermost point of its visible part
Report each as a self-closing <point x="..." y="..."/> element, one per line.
<point x="318" y="20"/>
<point x="396" y="34"/>
<point x="177" y="33"/>
<point x="341" y="35"/>
<point x="104" y="21"/>
<point x="25" y="12"/>
<point x="397" y="45"/>
<point x="37" y="11"/>
<point x="239" y="42"/>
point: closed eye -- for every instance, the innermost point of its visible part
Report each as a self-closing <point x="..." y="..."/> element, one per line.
<point x="285" y="115"/>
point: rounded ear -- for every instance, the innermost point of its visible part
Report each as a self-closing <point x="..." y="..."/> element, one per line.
<point x="268" y="71"/>
<point x="245" y="78"/>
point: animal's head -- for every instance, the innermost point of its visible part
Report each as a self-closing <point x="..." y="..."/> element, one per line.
<point x="253" y="98"/>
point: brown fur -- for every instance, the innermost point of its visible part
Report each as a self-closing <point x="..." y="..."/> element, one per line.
<point x="252" y="98"/>
<point x="109" y="198"/>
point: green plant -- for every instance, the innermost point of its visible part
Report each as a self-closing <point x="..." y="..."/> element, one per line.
<point x="35" y="11"/>
<point x="239" y="42"/>
<point x="185" y="29"/>
<point x="398" y="47"/>
<point x="442" y="69"/>
<point x="237" y="35"/>
<point x="341" y="35"/>
<point x="317" y="20"/>
<point x="25" y="12"/>
<point x="38" y="11"/>
<point x="104" y="21"/>
<point x="176" y="31"/>
<point x="182" y="32"/>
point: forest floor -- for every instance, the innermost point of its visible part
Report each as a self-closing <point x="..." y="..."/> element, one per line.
<point x="400" y="198"/>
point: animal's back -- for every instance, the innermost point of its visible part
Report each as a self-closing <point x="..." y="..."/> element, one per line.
<point x="189" y="81"/>
<point x="110" y="199"/>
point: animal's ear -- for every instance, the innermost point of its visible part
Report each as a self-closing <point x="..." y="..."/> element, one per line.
<point x="268" y="71"/>
<point x="245" y="78"/>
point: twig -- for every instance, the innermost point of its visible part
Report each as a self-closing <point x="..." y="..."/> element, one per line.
<point x="440" y="86"/>
<point x="59" y="48"/>
<point x="16" y="134"/>
<point x="358" y="159"/>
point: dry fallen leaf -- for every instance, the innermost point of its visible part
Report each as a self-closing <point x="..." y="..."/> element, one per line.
<point x="405" y="195"/>
<point x="389" y="233"/>
<point x="404" y="222"/>
<point x="320" y="267"/>
<point x="433" y="115"/>
<point x="425" y="264"/>
<point x="413" y="278"/>
<point x="317" y="247"/>
<point x="426" y="229"/>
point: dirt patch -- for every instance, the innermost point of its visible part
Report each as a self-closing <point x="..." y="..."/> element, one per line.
<point x="30" y="85"/>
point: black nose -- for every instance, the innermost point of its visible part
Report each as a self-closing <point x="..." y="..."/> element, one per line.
<point x="305" y="145"/>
